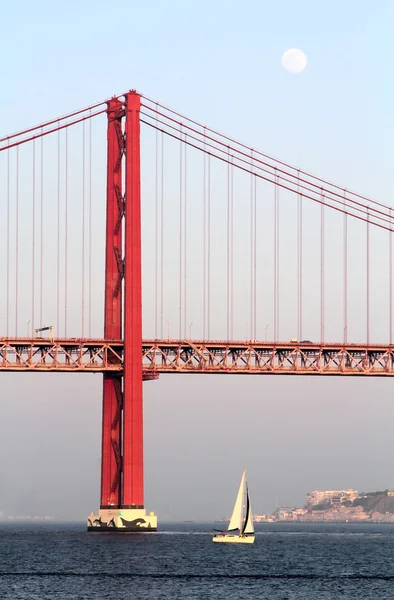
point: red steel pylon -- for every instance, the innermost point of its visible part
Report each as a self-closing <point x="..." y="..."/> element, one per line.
<point x="122" y="428"/>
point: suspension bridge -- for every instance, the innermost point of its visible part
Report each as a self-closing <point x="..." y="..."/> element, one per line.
<point x="128" y="217"/>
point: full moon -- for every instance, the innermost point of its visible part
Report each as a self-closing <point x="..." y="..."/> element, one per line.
<point x="294" y="60"/>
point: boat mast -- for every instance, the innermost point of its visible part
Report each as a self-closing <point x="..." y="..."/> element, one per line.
<point x="243" y="500"/>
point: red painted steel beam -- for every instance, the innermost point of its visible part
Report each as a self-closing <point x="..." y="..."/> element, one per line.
<point x="133" y="476"/>
<point x="297" y="358"/>
<point x="197" y="356"/>
<point x="112" y="383"/>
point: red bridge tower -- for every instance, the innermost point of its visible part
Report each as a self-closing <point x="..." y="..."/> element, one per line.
<point x="122" y="466"/>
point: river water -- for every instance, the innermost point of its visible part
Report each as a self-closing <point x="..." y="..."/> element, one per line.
<point x="289" y="561"/>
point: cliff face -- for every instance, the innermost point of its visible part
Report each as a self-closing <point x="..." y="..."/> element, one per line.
<point x="379" y="503"/>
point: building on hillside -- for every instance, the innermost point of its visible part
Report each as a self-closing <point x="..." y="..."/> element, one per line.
<point x="284" y="513"/>
<point x="299" y="513"/>
<point x="262" y="518"/>
<point x="330" y="496"/>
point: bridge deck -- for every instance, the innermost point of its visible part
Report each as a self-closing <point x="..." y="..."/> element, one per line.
<point x="194" y="356"/>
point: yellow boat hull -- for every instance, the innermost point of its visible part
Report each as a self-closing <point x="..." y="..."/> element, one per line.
<point x="233" y="539"/>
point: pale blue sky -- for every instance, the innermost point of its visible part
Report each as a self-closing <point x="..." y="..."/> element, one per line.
<point x="220" y="64"/>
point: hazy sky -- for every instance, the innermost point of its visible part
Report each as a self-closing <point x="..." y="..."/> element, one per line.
<point x="220" y="63"/>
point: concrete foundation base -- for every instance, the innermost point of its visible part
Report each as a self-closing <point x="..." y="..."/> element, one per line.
<point x="122" y="520"/>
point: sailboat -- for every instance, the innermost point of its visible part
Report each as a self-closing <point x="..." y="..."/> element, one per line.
<point x="240" y="529"/>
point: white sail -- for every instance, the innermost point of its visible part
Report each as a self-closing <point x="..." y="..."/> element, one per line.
<point x="240" y="529"/>
<point x="249" y="528"/>
<point x="236" y="517"/>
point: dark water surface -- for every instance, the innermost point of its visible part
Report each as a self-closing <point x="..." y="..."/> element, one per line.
<point x="293" y="561"/>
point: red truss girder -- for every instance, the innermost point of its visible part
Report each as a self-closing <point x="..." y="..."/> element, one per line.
<point x="60" y="355"/>
<point x="175" y="356"/>
<point x="267" y="358"/>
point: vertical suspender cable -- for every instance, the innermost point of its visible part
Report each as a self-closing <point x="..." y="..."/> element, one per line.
<point x="180" y="230"/>
<point x="58" y="238"/>
<point x="156" y="221"/>
<point x="231" y="250"/>
<point x="65" y="235"/>
<point x="33" y="246"/>
<point x="275" y="257"/>
<point x="228" y="246"/>
<point x="252" y="178"/>
<point x="204" y="245"/>
<point x="185" y="243"/>
<point x="298" y="257"/>
<point x="391" y="280"/>
<point x="8" y="242"/>
<point x="90" y="227"/>
<point x="209" y="252"/>
<point x="162" y="240"/>
<point x="83" y="229"/>
<point x="322" y="265"/>
<point x="301" y="267"/>
<point x="17" y="242"/>
<point x="345" y="269"/>
<point x="42" y="231"/>
<point x="299" y="261"/>
<point x="368" y="278"/>
<point x="255" y="262"/>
